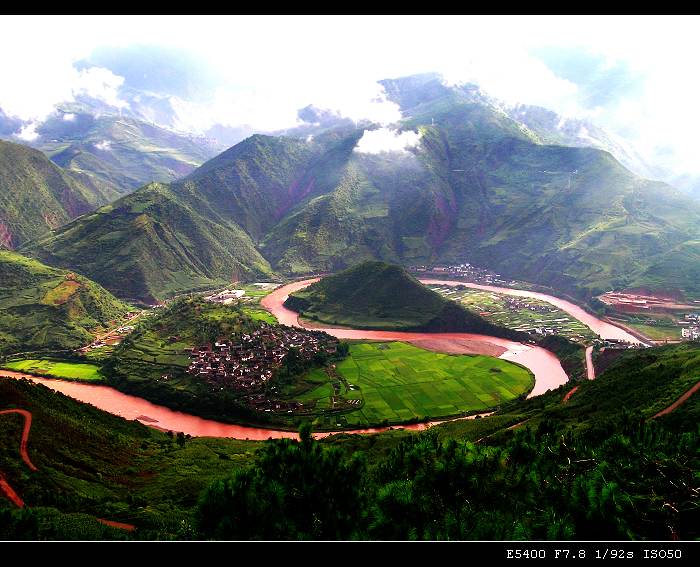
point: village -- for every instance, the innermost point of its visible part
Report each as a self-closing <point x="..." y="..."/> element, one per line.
<point x="114" y="336"/>
<point x="690" y="326"/>
<point x="249" y="362"/>
<point x="463" y="271"/>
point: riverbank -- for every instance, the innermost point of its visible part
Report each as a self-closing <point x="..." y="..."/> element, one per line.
<point x="162" y="418"/>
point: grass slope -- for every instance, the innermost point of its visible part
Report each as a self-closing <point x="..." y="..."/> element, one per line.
<point x="47" y="309"/>
<point x="92" y="464"/>
<point x="399" y="382"/>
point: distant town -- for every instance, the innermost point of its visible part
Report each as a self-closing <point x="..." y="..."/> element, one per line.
<point x="464" y="271"/>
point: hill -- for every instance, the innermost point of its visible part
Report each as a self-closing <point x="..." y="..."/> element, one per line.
<point x="46" y="309"/>
<point x="37" y="195"/>
<point x="151" y="244"/>
<point x="376" y="295"/>
<point x="92" y="464"/>
<point x="123" y="153"/>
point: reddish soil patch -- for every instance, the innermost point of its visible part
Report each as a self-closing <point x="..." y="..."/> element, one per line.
<point x="119" y="525"/>
<point x="640" y="302"/>
<point x="460" y="346"/>
<point x="5" y="236"/>
<point x="569" y="394"/>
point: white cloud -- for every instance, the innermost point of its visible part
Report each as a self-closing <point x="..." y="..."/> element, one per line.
<point x="69" y="117"/>
<point x="104" y="145"/>
<point x="28" y="132"/>
<point x="100" y="84"/>
<point x="386" y="140"/>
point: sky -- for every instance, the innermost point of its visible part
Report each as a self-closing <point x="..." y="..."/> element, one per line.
<point x="634" y="76"/>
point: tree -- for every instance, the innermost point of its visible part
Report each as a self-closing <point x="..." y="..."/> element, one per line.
<point x="295" y="490"/>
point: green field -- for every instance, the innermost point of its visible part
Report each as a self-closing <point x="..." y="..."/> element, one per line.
<point x="398" y="382"/>
<point x="656" y="326"/>
<point x="68" y="370"/>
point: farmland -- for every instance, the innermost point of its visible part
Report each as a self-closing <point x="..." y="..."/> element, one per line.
<point x="396" y="382"/>
<point x="56" y="369"/>
<point x="519" y="313"/>
<point x="251" y="304"/>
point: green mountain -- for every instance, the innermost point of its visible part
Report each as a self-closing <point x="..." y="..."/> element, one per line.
<point x="480" y="187"/>
<point x="375" y="295"/>
<point x="46" y="309"/>
<point x="152" y="243"/>
<point x="121" y="152"/>
<point x="37" y="196"/>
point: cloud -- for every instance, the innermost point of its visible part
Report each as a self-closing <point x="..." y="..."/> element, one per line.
<point x="69" y="117"/>
<point x="385" y="140"/>
<point x="333" y="62"/>
<point x="28" y="132"/>
<point x="100" y="84"/>
<point x="104" y="145"/>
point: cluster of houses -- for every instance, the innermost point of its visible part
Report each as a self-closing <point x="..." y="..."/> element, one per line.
<point x="226" y="296"/>
<point x="618" y="344"/>
<point x="690" y="326"/>
<point x="517" y="303"/>
<point x="465" y="271"/>
<point x="112" y="338"/>
<point x="249" y="361"/>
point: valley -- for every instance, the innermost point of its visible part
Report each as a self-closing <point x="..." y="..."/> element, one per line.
<point x="319" y="389"/>
<point x="251" y="291"/>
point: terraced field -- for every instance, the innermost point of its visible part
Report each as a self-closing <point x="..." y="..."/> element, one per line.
<point x="520" y="314"/>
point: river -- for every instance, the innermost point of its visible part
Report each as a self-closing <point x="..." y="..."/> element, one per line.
<point x="132" y="407"/>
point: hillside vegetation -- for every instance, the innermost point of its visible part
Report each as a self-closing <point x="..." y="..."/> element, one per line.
<point x="595" y="467"/>
<point x="152" y="244"/>
<point x="37" y="195"/>
<point x="376" y="295"/>
<point x="46" y="309"/>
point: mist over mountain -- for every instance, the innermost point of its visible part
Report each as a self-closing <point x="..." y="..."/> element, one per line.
<point x="458" y="179"/>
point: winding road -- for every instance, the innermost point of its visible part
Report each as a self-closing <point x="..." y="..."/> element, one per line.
<point x="679" y="402"/>
<point x="9" y="491"/>
<point x="4" y="485"/>
<point x="590" y="369"/>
